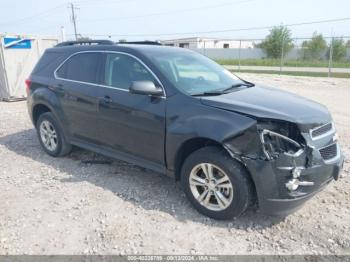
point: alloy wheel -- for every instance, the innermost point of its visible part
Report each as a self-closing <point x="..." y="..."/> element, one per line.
<point x="48" y="135"/>
<point x="211" y="186"/>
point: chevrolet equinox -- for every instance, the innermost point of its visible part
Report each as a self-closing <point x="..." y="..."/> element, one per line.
<point x="229" y="142"/>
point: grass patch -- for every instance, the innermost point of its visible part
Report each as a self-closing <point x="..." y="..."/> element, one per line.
<point x="276" y="62"/>
<point x="313" y="74"/>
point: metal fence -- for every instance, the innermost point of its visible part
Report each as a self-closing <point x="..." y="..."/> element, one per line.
<point x="246" y="55"/>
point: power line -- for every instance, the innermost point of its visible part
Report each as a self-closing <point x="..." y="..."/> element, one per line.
<point x="172" y="11"/>
<point x="48" y="11"/>
<point x="99" y="1"/>
<point x="223" y="31"/>
<point x="125" y="18"/>
<point x="17" y="21"/>
<point x="237" y="39"/>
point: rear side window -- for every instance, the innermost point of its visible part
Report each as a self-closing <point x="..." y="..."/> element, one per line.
<point x="47" y="63"/>
<point x="121" y="70"/>
<point x="82" y="67"/>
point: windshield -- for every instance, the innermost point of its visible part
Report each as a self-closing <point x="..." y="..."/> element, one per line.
<point x="193" y="73"/>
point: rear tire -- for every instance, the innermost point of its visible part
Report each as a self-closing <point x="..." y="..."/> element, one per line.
<point x="215" y="184"/>
<point x="51" y="136"/>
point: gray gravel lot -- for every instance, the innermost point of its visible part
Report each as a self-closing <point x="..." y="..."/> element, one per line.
<point x="63" y="206"/>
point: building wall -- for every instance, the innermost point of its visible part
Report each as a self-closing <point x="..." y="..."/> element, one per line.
<point x="208" y="43"/>
<point x="224" y="44"/>
<point x="17" y="66"/>
<point x="185" y="43"/>
<point x="3" y="80"/>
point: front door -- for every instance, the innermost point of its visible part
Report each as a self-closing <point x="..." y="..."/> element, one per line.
<point x="130" y="123"/>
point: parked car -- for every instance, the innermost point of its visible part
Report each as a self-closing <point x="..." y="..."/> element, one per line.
<point x="229" y="142"/>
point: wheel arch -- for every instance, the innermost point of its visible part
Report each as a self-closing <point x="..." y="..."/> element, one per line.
<point x="191" y="145"/>
<point x="38" y="110"/>
<point x="45" y="100"/>
<point x="187" y="148"/>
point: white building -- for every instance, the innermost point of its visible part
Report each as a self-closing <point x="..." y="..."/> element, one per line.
<point x="201" y="43"/>
<point x="18" y="56"/>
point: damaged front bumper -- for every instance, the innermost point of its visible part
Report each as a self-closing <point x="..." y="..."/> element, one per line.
<point x="286" y="182"/>
<point x="272" y="177"/>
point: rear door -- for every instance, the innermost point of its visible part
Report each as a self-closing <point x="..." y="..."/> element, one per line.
<point x="76" y="83"/>
<point x="130" y="123"/>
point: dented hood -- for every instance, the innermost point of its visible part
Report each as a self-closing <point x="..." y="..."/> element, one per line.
<point x="271" y="103"/>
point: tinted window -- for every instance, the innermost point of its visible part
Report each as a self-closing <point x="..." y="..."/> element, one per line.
<point x="121" y="70"/>
<point x="81" y="67"/>
<point x="47" y="63"/>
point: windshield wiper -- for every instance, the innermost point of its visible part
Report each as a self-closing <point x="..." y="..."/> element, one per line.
<point x="209" y="93"/>
<point x="237" y="85"/>
<point x="225" y="91"/>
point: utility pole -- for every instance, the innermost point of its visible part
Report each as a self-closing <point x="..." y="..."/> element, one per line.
<point x="282" y="53"/>
<point x="74" y="18"/>
<point x="239" y="55"/>
<point x="330" y="61"/>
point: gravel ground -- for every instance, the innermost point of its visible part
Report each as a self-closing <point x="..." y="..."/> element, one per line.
<point x="63" y="206"/>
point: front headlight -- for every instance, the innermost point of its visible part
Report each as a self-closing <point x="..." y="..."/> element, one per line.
<point x="275" y="143"/>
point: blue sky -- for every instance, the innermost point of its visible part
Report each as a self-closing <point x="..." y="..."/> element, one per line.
<point x="141" y="18"/>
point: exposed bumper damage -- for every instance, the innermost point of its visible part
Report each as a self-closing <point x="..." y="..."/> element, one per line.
<point x="292" y="162"/>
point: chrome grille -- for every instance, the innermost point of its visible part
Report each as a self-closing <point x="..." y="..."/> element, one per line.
<point x="319" y="131"/>
<point x="329" y="152"/>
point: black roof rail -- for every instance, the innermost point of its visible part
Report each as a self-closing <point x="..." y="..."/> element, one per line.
<point x="86" y="42"/>
<point x="140" y="43"/>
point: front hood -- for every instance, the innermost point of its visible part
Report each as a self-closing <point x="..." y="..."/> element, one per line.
<point x="271" y="103"/>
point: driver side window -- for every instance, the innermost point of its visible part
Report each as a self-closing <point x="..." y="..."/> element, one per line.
<point x="121" y="70"/>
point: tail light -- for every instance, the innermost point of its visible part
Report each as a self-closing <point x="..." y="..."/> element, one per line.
<point x="28" y="83"/>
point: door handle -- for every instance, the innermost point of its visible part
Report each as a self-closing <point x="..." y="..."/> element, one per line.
<point x="106" y="99"/>
<point x="60" y="88"/>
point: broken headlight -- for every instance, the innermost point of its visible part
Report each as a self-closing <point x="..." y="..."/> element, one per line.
<point x="280" y="138"/>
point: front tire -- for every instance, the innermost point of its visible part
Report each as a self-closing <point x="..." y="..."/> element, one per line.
<point x="51" y="136"/>
<point x="215" y="184"/>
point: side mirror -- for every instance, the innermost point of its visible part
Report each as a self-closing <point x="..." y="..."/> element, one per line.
<point x="145" y="88"/>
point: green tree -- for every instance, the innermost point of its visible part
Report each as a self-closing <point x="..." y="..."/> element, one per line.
<point x="314" y="48"/>
<point x="348" y="43"/>
<point x="280" y="36"/>
<point x="339" y="49"/>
